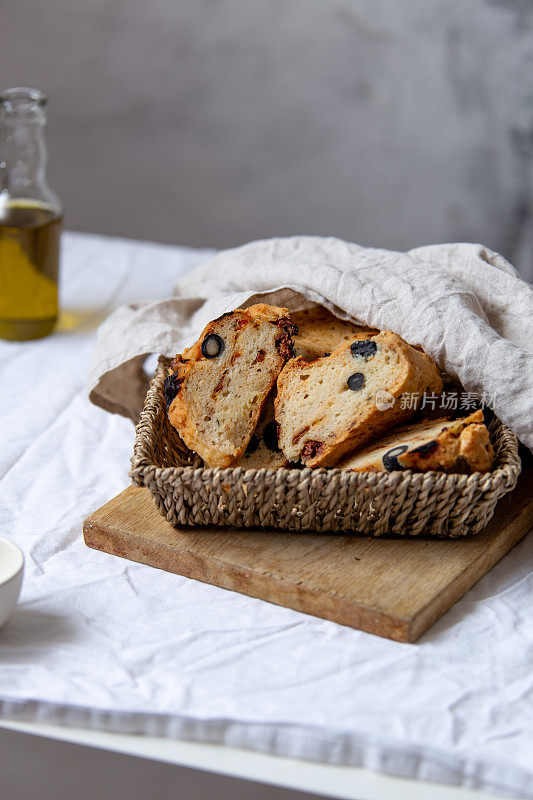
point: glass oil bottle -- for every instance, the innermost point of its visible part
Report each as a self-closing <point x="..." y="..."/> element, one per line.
<point x="30" y="220"/>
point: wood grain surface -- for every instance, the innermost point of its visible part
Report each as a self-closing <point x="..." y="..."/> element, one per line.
<point x="393" y="587"/>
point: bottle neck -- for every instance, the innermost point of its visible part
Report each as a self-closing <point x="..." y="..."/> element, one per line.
<point x="22" y="155"/>
<point x="22" y="147"/>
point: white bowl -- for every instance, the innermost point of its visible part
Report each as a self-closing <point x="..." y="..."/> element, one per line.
<point x="11" y="571"/>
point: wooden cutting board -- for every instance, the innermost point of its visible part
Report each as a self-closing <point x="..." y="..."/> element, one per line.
<point x="394" y="587"/>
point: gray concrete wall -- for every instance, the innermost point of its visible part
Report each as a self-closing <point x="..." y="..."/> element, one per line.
<point x="211" y="122"/>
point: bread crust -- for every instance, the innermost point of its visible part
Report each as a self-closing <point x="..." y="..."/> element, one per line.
<point x="320" y="421"/>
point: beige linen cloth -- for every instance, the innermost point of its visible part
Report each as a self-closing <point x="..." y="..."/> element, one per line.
<point x="464" y="304"/>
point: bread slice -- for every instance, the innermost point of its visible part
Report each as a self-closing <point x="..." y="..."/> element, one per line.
<point x="339" y="402"/>
<point x="320" y="332"/>
<point x="263" y="451"/>
<point x="460" y="445"/>
<point x="217" y="388"/>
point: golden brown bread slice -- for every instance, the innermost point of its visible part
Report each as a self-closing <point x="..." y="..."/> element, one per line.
<point x="337" y="403"/>
<point x="321" y="332"/>
<point x="217" y="388"/>
<point x="460" y="445"/>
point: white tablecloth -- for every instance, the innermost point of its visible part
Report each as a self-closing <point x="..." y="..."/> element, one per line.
<point x="102" y="642"/>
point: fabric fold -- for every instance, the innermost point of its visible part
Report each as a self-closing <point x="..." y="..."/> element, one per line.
<point x="464" y="304"/>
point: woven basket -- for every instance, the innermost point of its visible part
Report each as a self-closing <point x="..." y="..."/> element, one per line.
<point x="376" y="503"/>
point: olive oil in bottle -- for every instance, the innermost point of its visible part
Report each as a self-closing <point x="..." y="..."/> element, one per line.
<point x="30" y="220"/>
<point x="29" y="264"/>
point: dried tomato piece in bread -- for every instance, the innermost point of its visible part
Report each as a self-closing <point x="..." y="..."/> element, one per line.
<point x="337" y="403"/>
<point x="217" y="388"/>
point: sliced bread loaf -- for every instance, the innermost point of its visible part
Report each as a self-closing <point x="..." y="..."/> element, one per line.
<point x="460" y="445"/>
<point x="337" y="403"/>
<point x="216" y="389"/>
